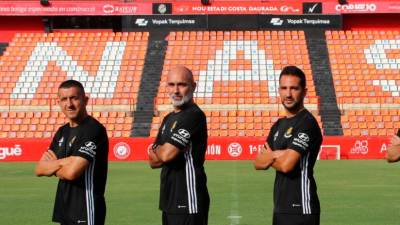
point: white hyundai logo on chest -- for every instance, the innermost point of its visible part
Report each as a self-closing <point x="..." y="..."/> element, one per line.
<point x="304" y="137"/>
<point x="184" y="133"/>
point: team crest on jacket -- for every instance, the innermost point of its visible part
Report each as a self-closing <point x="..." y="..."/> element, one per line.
<point x="288" y="132"/>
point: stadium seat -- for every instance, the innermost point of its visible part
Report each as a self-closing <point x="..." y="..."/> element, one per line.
<point x="108" y="64"/>
<point x="365" y="67"/>
<point x="237" y="77"/>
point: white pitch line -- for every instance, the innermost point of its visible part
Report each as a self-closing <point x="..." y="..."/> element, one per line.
<point x="234" y="216"/>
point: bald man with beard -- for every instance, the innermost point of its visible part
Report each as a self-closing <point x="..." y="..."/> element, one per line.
<point x="179" y="150"/>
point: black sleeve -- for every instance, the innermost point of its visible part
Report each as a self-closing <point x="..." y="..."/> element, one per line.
<point x="398" y="132"/>
<point x="88" y="143"/>
<point x="186" y="126"/>
<point x="159" y="137"/>
<point x="54" y="146"/>
<point x="54" y="143"/>
<point x="270" y="138"/>
<point x="305" y="137"/>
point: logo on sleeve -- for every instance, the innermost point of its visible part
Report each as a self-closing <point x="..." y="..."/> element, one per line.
<point x="184" y="133"/>
<point x="90" y="145"/>
<point x="304" y="137"/>
<point x="182" y="137"/>
<point x="88" y="148"/>
<point x="301" y="140"/>
<point x="288" y="133"/>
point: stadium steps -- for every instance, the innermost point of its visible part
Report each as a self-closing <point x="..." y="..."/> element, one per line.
<point x="322" y="75"/>
<point x="149" y="84"/>
<point x="3" y="47"/>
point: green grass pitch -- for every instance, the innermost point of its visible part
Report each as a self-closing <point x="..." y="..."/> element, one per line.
<point x="351" y="193"/>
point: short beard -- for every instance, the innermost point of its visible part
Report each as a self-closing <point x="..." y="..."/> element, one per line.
<point x="295" y="108"/>
<point x="185" y="99"/>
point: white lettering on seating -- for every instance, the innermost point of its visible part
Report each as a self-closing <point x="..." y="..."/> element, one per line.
<point x="376" y="55"/>
<point x="218" y="68"/>
<point x="102" y="85"/>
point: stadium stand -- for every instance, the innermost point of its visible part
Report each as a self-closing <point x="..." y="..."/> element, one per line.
<point x="122" y="51"/>
<point x="237" y="74"/>
<point x="108" y="64"/>
<point x="319" y="59"/>
<point x="365" y="67"/>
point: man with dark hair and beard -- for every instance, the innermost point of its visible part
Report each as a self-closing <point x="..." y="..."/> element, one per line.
<point x="292" y="148"/>
<point x="180" y="149"/>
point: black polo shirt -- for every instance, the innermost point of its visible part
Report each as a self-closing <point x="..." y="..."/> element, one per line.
<point x="81" y="201"/>
<point x="183" y="188"/>
<point x="296" y="192"/>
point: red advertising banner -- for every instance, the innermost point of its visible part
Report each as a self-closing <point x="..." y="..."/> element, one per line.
<point x="361" y="7"/>
<point x="109" y="8"/>
<point x="354" y="147"/>
<point x="133" y="149"/>
<point x="238" y="7"/>
<point x="33" y="8"/>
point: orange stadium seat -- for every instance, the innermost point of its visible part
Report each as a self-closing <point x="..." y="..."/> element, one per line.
<point x="365" y="67"/>
<point x="108" y="64"/>
<point x="237" y="74"/>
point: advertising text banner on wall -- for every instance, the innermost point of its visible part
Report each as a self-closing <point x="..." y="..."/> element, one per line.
<point x="132" y="149"/>
<point x="113" y="8"/>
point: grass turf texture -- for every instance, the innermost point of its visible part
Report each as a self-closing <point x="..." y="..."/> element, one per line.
<point x="351" y="193"/>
